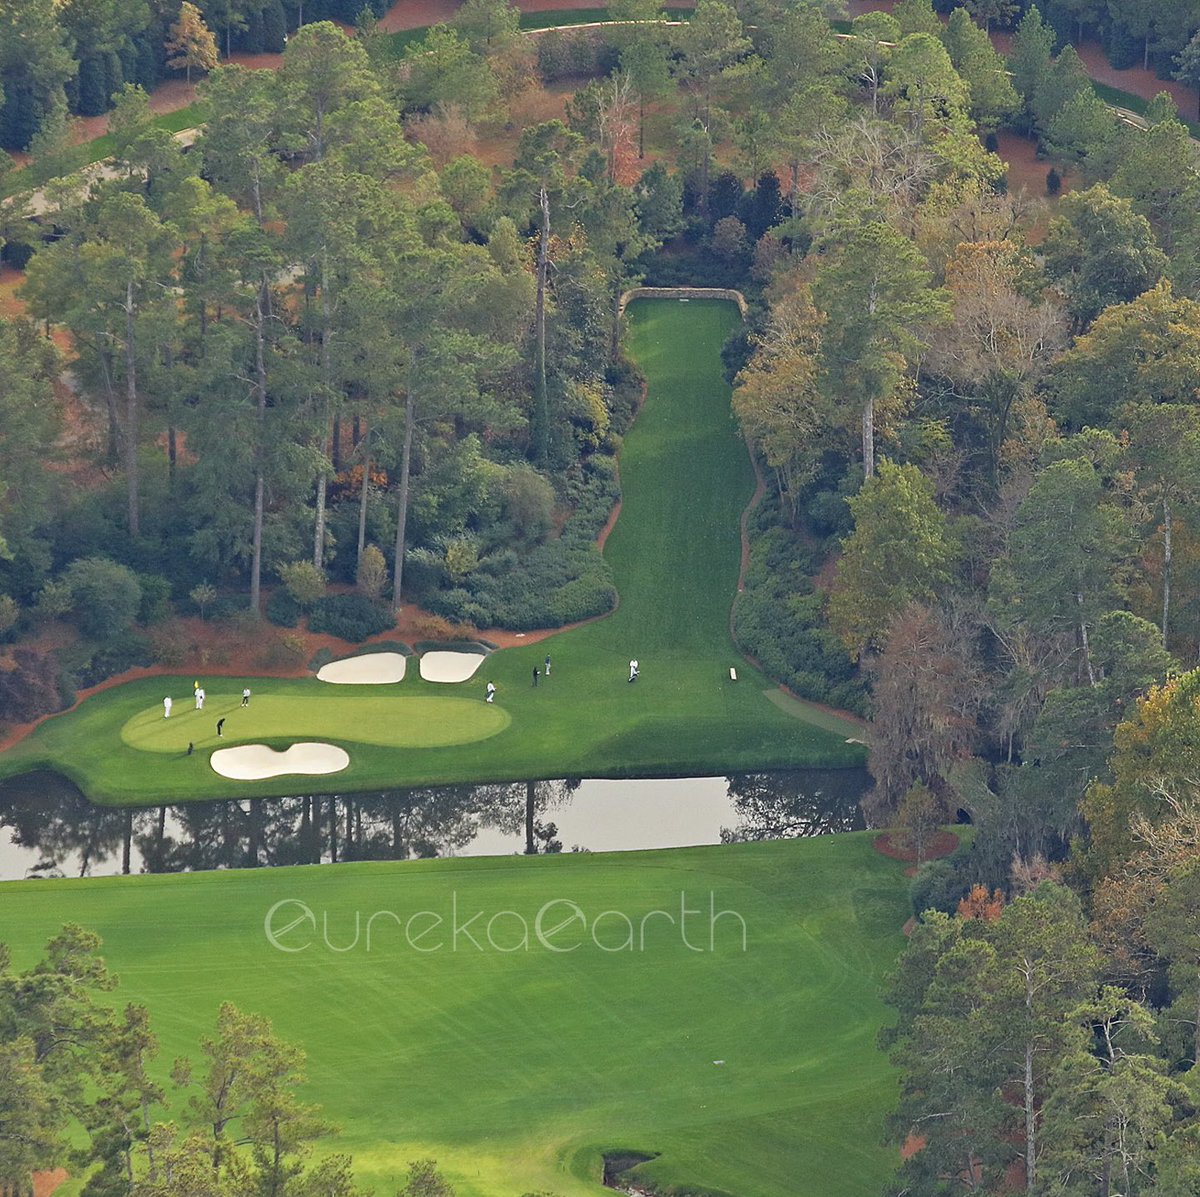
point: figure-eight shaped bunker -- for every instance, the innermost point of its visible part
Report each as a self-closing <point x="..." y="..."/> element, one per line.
<point x="255" y="762"/>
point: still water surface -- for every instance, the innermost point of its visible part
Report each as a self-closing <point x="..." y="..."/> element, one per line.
<point x="48" y="829"/>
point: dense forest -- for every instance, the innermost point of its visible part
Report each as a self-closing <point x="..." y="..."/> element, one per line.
<point x="331" y="350"/>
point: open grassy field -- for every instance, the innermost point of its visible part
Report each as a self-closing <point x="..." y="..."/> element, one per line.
<point x="517" y="1069"/>
<point x="675" y="554"/>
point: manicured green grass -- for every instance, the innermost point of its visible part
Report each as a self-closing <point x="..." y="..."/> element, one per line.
<point x="354" y="714"/>
<point x="675" y="554"/>
<point x="516" y="1070"/>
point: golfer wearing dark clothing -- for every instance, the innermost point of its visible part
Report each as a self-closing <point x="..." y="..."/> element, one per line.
<point x="536" y="674"/>
<point x="220" y="726"/>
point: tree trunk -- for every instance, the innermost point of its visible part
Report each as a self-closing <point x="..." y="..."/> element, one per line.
<point x="254" y="844"/>
<point x="1030" y="1123"/>
<point x="868" y="438"/>
<point x="1166" y="607"/>
<point x="541" y="402"/>
<point x="260" y="386"/>
<point x="362" y="508"/>
<point x="1087" y="648"/>
<point x="402" y="510"/>
<point x="326" y="372"/>
<point x="530" y="796"/>
<point x="112" y="450"/>
<point x="131" y="416"/>
<point x="127" y="843"/>
<point x="1196" y="1040"/>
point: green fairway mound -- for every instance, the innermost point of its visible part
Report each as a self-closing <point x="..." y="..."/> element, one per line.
<point x="388" y="721"/>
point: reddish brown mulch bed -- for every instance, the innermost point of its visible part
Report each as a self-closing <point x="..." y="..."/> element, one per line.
<point x="44" y="1183"/>
<point x="941" y="845"/>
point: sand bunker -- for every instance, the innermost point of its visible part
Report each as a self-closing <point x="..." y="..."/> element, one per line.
<point x="371" y="669"/>
<point x="450" y="666"/>
<point x="254" y="762"/>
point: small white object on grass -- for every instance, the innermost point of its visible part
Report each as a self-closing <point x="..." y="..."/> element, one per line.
<point x="732" y="674"/>
<point x="718" y="1062"/>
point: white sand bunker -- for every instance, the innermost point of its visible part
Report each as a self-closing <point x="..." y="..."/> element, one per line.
<point x="254" y="762"/>
<point x="371" y="669"/>
<point x="450" y="666"/>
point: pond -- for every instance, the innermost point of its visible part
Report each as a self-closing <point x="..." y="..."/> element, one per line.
<point x="48" y="829"/>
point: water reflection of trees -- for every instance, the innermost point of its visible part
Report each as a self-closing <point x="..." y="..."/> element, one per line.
<point x="48" y="815"/>
<point x="801" y="802"/>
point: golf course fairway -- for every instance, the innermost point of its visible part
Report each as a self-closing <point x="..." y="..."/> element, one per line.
<point x="675" y="553"/>
<point x="747" y="1067"/>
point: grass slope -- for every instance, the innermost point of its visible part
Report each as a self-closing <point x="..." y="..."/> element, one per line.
<point x="516" y="1070"/>
<point x="675" y="554"/>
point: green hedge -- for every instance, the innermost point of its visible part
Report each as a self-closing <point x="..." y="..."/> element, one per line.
<point x="88" y="663"/>
<point x="557" y="582"/>
<point x="282" y="609"/>
<point x="780" y="619"/>
<point x="350" y="617"/>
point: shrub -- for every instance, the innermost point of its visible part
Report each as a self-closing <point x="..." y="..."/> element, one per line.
<point x="282" y="609"/>
<point x="462" y="557"/>
<point x="10" y="612"/>
<point x="435" y="627"/>
<point x="293" y="643"/>
<point x="941" y="884"/>
<point x="305" y="582"/>
<point x="53" y="602"/>
<point x="155" y="606"/>
<point x="202" y="594"/>
<point x="349" y="617"/>
<point x="578" y="53"/>
<point x="167" y="646"/>
<point x="1053" y="182"/>
<point x="371" y="576"/>
<point x="528" y="503"/>
<point x="105" y="596"/>
<point x="28" y="686"/>
<point x="89" y="664"/>
<point x="226" y="607"/>
<point x="591" y="594"/>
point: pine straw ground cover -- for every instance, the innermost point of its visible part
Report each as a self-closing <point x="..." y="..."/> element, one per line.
<point x="747" y="1072"/>
<point x="675" y="554"/>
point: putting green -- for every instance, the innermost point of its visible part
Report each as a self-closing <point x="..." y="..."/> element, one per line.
<point x="388" y="721"/>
